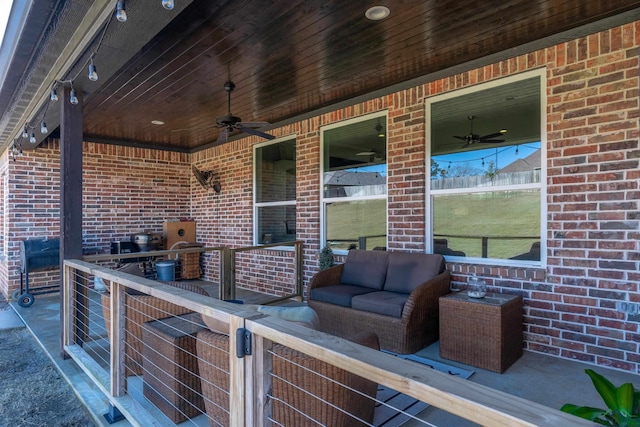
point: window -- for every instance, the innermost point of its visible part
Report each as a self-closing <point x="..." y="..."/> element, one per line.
<point x="486" y="157"/>
<point x="275" y="192"/>
<point x="354" y="182"/>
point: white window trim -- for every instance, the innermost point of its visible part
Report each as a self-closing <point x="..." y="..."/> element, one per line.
<point x="541" y="74"/>
<point x="257" y="205"/>
<point x="325" y="200"/>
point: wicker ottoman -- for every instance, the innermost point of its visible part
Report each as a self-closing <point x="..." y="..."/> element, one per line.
<point x="170" y="366"/>
<point x="482" y="332"/>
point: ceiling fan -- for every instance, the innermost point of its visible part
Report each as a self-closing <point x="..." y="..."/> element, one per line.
<point x="229" y="122"/>
<point x="473" y="138"/>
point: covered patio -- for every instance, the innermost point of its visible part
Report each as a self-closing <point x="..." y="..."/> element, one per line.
<point x="315" y="123"/>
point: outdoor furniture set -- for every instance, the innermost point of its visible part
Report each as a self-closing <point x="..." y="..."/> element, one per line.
<point x="395" y="301"/>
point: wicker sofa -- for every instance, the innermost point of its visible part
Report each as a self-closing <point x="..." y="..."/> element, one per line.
<point x="393" y="294"/>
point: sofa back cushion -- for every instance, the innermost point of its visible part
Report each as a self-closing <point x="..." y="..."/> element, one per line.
<point x="365" y="268"/>
<point x="407" y="270"/>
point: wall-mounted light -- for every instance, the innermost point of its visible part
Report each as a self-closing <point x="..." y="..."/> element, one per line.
<point x="43" y="128"/>
<point x="121" y="13"/>
<point x="32" y="138"/>
<point x="93" y="73"/>
<point x="168" y="4"/>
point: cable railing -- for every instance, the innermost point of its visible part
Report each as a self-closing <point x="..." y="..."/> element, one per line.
<point x="166" y="353"/>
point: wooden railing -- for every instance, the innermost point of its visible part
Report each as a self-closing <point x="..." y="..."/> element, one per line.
<point x="250" y="373"/>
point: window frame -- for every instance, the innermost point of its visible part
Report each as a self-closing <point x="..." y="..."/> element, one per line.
<point x="383" y="115"/>
<point x="429" y="196"/>
<point x="257" y="205"/>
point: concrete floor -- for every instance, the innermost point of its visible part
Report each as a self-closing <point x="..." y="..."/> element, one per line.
<point x="537" y="377"/>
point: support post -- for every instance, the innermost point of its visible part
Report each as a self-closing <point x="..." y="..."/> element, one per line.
<point x="70" y="187"/>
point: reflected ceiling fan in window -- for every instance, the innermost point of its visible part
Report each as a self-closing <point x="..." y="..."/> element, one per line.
<point x="474" y="138"/>
<point x="373" y="154"/>
<point x="229" y="123"/>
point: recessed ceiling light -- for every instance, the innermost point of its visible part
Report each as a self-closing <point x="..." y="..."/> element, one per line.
<point x="157" y="122"/>
<point x="377" y="13"/>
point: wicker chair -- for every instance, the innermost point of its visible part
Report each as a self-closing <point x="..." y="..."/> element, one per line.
<point x="141" y="309"/>
<point x="293" y="384"/>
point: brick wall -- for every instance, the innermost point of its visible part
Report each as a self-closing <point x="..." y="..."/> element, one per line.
<point x="125" y="190"/>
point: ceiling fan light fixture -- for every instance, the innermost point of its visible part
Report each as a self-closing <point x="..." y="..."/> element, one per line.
<point x="377" y="13"/>
<point x="503" y="131"/>
<point x="380" y="130"/>
<point x="157" y="122"/>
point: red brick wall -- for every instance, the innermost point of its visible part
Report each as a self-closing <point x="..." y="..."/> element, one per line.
<point x="125" y="190"/>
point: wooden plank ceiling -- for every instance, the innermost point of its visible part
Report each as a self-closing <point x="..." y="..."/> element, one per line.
<point x="289" y="58"/>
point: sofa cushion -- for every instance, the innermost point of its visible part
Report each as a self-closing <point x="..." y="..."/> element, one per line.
<point x="407" y="270"/>
<point x="365" y="268"/>
<point x="382" y="302"/>
<point x="338" y="294"/>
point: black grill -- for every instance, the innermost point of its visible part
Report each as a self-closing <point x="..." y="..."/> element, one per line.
<point x="37" y="255"/>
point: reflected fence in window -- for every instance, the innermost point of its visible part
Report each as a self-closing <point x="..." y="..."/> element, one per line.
<point x="167" y="353"/>
<point x="523" y="247"/>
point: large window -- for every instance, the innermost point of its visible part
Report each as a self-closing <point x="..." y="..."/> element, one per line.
<point x="275" y="192"/>
<point x="486" y="157"/>
<point x="354" y="182"/>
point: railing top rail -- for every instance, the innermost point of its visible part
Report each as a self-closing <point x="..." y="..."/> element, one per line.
<point x="466" y="236"/>
<point x="209" y="306"/>
<point x="466" y="399"/>
<point x="267" y="245"/>
<point x="107" y="257"/>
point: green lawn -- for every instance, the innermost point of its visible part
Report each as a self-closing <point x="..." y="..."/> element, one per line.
<point x="506" y="214"/>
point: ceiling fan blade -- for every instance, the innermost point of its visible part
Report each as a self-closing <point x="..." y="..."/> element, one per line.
<point x="491" y="141"/>
<point x="254" y="124"/>
<point x="194" y="128"/>
<point x="254" y="132"/>
<point x="493" y="135"/>
<point x="462" y="138"/>
<point x="222" y="136"/>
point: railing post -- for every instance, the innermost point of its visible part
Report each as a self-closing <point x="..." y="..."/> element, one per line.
<point x="299" y="269"/>
<point x="227" y="274"/>
<point x="117" y="336"/>
<point x="485" y="247"/>
<point x="362" y="243"/>
<point x="259" y="383"/>
<point x="67" y="304"/>
<point x="237" y="395"/>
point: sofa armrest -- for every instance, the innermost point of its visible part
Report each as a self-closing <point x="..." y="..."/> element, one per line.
<point x="423" y="301"/>
<point x="328" y="277"/>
